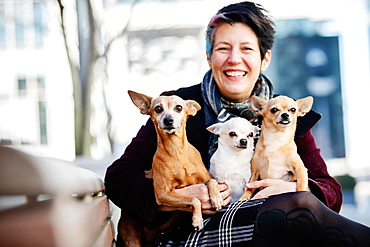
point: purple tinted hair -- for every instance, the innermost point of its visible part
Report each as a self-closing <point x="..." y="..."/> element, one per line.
<point x="249" y="13"/>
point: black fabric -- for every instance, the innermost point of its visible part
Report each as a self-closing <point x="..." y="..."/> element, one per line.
<point x="300" y="219"/>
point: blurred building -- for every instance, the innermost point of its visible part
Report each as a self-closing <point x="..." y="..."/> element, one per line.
<point x="36" y="106"/>
<point x="307" y="62"/>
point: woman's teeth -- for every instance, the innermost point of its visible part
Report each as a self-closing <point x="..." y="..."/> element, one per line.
<point x="235" y="73"/>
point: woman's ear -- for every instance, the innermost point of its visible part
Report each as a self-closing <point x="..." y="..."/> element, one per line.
<point x="266" y="61"/>
<point x="209" y="60"/>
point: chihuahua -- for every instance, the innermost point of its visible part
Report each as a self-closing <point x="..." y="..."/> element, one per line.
<point x="276" y="154"/>
<point x="176" y="163"/>
<point x="230" y="163"/>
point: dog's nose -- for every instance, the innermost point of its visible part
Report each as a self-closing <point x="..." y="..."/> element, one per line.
<point x="285" y="116"/>
<point x="243" y="141"/>
<point x="168" y="121"/>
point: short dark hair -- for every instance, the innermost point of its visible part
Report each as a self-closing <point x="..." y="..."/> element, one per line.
<point x="252" y="14"/>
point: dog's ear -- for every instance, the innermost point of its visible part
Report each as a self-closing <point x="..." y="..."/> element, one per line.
<point x="192" y="107"/>
<point x="304" y="105"/>
<point x="215" y="128"/>
<point x="257" y="104"/>
<point x="141" y="101"/>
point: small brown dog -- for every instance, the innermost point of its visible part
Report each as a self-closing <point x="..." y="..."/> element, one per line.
<point x="176" y="163"/>
<point x="276" y="154"/>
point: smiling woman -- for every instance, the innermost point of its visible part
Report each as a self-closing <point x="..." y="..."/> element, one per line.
<point x="236" y="61"/>
<point x="239" y="41"/>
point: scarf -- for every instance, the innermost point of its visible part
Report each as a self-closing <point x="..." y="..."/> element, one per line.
<point x="219" y="110"/>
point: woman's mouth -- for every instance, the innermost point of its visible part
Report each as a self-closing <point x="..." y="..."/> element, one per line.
<point x="235" y="74"/>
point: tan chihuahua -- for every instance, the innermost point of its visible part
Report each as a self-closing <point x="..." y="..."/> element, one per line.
<point x="176" y="163"/>
<point x="276" y="154"/>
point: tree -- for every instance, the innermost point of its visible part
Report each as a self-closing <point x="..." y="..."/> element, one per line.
<point x="82" y="71"/>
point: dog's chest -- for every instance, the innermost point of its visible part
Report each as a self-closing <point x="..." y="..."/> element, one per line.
<point x="181" y="173"/>
<point x="274" y="165"/>
<point x="278" y="172"/>
<point x="188" y="175"/>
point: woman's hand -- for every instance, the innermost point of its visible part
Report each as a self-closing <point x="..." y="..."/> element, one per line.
<point x="200" y="191"/>
<point x="272" y="187"/>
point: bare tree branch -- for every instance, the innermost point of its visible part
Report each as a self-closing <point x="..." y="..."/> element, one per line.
<point x="83" y="76"/>
<point x="123" y="31"/>
<point x="76" y="82"/>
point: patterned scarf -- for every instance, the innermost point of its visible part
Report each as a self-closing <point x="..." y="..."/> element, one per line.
<point x="218" y="109"/>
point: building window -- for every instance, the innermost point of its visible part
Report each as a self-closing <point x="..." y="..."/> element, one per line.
<point x="41" y="82"/>
<point x="22" y="85"/>
<point x="43" y="125"/>
<point x="2" y="26"/>
<point x="19" y="24"/>
<point x="38" y="25"/>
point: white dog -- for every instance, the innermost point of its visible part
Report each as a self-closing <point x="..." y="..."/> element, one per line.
<point x="230" y="163"/>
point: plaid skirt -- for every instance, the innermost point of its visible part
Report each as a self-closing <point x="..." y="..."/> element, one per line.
<point x="233" y="225"/>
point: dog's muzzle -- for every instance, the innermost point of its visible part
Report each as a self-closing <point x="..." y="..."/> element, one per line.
<point x="168" y="124"/>
<point x="285" y="119"/>
<point x="243" y="143"/>
<point x="168" y="121"/>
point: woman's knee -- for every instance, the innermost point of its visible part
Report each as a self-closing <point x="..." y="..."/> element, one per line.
<point x="288" y="216"/>
<point x="304" y="199"/>
<point x="293" y="200"/>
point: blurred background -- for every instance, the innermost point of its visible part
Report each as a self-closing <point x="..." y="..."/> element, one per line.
<point x="66" y="67"/>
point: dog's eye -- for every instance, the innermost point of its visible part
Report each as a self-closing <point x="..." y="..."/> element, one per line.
<point x="158" y="109"/>
<point x="293" y="110"/>
<point x="251" y="134"/>
<point x="274" y="110"/>
<point x="178" y="108"/>
<point x="232" y="134"/>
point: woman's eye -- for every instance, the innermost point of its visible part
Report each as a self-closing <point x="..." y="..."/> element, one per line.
<point x="222" y="49"/>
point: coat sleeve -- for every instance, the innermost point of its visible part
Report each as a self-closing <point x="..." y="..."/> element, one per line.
<point x="322" y="185"/>
<point x="125" y="182"/>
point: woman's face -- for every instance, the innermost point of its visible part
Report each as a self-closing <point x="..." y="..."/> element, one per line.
<point x="236" y="60"/>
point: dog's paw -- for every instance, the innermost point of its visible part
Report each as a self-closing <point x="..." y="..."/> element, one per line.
<point x="247" y="196"/>
<point x="217" y="201"/>
<point x="198" y="223"/>
<point x="149" y="174"/>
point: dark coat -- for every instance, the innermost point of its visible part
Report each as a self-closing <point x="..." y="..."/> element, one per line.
<point x="127" y="187"/>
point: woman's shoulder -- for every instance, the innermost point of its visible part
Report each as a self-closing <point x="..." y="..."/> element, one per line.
<point x="306" y="123"/>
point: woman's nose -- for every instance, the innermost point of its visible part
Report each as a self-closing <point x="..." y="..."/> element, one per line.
<point x="235" y="56"/>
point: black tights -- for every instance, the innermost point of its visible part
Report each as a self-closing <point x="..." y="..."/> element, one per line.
<point x="300" y="219"/>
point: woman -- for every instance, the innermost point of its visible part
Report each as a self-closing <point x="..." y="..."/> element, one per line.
<point x="239" y="41"/>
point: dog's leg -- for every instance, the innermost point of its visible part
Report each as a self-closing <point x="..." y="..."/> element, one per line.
<point x="197" y="214"/>
<point x="173" y="199"/>
<point x="300" y="172"/>
<point x="130" y="231"/>
<point x="248" y="192"/>
<point x="214" y="194"/>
